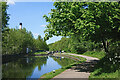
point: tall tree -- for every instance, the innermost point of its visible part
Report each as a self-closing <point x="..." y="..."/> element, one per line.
<point x="97" y="21"/>
<point x="5" y="16"/>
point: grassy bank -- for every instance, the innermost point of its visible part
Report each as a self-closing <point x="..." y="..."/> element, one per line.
<point x="71" y="56"/>
<point x="104" y="72"/>
<point x="96" y="54"/>
<point x="104" y="68"/>
<point x="40" y="53"/>
<point x="81" y="58"/>
<point x="50" y="75"/>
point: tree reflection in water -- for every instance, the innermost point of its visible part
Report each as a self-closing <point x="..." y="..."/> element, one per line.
<point x="22" y="67"/>
<point x="33" y="67"/>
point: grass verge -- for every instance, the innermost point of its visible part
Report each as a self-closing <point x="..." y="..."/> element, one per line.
<point x="40" y="53"/>
<point x="96" y="54"/>
<point x="50" y="75"/>
<point x="106" y="69"/>
<point x="81" y="58"/>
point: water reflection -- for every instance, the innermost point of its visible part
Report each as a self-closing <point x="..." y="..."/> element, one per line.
<point x="22" y="68"/>
<point x="33" y="67"/>
<point x="27" y="60"/>
<point x="63" y="61"/>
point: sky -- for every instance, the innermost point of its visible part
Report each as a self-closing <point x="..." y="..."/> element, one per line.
<point x="30" y="14"/>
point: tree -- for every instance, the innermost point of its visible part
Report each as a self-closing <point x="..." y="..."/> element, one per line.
<point x="73" y="45"/>
<point x="40" y="44"/>
<point x="5" y="16"/>
<point x="17" y="41"/>
<point x="95" y="21"/>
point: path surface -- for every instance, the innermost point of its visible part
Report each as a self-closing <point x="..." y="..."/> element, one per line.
<point x="79" y="71"/>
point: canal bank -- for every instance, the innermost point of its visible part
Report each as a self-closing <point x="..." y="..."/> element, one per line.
<point x="80" y="71"/>
<point x="52" y="74"/>
<point x="33" y="67"/>
<point x="11" y="57"/>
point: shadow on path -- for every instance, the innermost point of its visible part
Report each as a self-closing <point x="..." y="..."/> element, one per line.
<point x="87" y="66"/>
<point x="79" y="71"/>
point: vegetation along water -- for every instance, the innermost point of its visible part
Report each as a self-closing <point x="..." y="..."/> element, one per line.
<point x="87" y="28"/>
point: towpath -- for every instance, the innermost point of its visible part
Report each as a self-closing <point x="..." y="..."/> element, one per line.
<point x="79" y="71"/>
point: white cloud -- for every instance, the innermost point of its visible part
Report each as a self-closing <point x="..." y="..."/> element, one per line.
<point x="35" y="34"/>
<point x="12" y="2"/>
<point x="43" y="26"/>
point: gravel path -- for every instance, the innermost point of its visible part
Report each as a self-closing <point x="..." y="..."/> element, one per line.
<point x="87" y="57"/>
<point x="80" y="71"/>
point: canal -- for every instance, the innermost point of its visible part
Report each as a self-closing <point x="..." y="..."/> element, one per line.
<point x="33" y="67"/>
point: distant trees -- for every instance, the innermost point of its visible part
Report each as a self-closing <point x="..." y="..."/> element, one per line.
<point x="60" y="45"/>
<point x="74" y="45"/>
<point x="40" y="44"/>
<point x="16" y="41"/>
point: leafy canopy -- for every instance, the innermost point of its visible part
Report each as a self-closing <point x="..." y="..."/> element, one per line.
<point x="90" y="20"/>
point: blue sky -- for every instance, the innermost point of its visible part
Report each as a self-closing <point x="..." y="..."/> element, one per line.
<point x="31" y="15"/>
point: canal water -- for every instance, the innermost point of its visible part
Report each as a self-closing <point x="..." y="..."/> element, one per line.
<point x="33" y="67"/>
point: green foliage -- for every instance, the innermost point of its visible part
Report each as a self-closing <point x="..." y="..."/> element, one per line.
<point x="74" y="45"/>
<point x="5" y="16"/>
<point x="95" y="21"/>
<point x="106" y="68"/>
<point x="88" y="19"/>
<point x="16" y="41"/>
<point x="92" y="26"/>
<point x="40" y="44"/>
<point x="78" y="48"/>
<point x="60" y="45"/>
